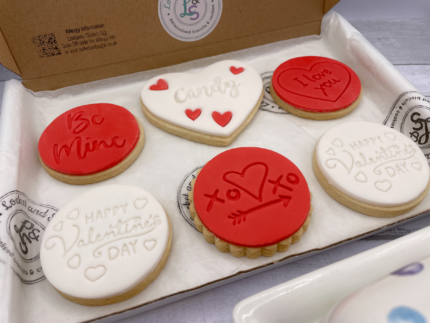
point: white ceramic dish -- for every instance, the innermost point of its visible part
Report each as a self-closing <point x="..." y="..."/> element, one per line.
<point x="307" y="299"/>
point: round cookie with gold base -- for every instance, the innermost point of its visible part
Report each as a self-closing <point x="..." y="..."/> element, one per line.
<point x="91" y="143"/>
<point x="250" y="202"/>
<point x="372" y="169"/>
<point x="317" y="88"/>
<point x="107" y="245"/>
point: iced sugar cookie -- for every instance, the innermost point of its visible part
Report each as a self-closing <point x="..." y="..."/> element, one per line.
<point x="91" y="143"/>
<point x="107" y="245"/>
<point x="315" y="87"/>
<point x="400" y="297"/>
<point x="212" y="107"/>
<point x="371" y="168"/>
<point x="250" y="202"/>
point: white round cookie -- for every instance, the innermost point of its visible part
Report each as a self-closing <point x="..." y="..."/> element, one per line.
<point x="372" y="163"/>
<point x="215" y="89"/>
<point x="105" y="242"/>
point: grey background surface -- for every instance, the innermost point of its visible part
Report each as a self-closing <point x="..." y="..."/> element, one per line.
<point x="400" y="31"/>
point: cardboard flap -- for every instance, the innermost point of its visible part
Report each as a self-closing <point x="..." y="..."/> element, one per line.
<point x="329" y="4"/>
<point x="61" y="44"/>
<point x="6" y="58"/>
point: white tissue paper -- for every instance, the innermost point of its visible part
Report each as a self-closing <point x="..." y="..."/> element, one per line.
<point x="29" y="197"/>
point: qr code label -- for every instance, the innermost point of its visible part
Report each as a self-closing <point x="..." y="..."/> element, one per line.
<point x="46" y="45"/>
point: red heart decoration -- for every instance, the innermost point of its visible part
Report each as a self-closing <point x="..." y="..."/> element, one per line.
<point x="324" y="81"/>
<point x="193" y="115"/>
<point x="236" y="71"/>
<point x="251" y="179"/>
<point x="222" y="119"/>
<point x="160" y="86"/>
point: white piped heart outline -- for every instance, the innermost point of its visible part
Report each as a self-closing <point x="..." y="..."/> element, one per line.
<point x="150" y="244"/>
<point x="330" y="152"/>
<point x="95" y="273"/>
<point x="58" y="227"/>
<point x="383" y="186"/>
<point x="417" y="166"/>
<point x="337" y="143"/>
<point x="73" y="215"/>
<point x="390" y="135"/>
<point x="140" y="203"/>
<point x="74" y="262"/>
<point x="361" y="177"/>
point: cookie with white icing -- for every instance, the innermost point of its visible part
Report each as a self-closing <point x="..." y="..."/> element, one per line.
<point x="400" y="297"/>
<point x="91" y="143"/>
<point x="372" y="169"/>
<point x="212" y="106"/>
<point x="107" y="245"/>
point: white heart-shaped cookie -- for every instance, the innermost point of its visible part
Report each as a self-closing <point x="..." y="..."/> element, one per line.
<point x="214" y="102"/>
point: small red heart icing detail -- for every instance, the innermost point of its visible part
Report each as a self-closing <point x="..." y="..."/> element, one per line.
<point x="236" y="71"/>
<point x="193" y="115"/>
<point x="160" y="86"/>
<point x="222" y="119"/>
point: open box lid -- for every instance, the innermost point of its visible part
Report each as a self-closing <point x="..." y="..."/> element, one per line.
<point x="53" y="44"/>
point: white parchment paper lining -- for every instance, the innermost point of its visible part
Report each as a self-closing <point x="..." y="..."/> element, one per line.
<point x="166" y="159"/>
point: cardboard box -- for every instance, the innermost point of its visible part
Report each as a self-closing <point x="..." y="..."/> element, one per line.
<point x="56" y="44"/>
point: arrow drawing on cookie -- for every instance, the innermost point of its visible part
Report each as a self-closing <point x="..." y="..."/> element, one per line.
<point x="243" y="214"/>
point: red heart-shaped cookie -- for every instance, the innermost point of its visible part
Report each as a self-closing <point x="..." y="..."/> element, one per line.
<point x="222" y="119"/>
<point x="236" y="71"/>
<point x="193" y="115"/>
<point x="160" y="86"/>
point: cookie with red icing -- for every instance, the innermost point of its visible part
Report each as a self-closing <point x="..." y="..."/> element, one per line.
<point x="91" y="143"/>
<point x="314" y="87"/>
<point x="251" y="201"/>
<point x="211" y="107"/>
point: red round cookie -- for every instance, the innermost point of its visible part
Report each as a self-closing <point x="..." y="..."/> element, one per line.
<point x="316" y="84"/>
<point x="89" y="139"/>
<point x="251" y="197"/>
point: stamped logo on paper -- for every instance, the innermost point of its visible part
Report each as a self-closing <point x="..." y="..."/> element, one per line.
<point x="22" y="225"/>
<point x="268" y="104"/>
<point x="189" y="20"/>
<point x="410" y="114"/>
<point x="182" y="196"/>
